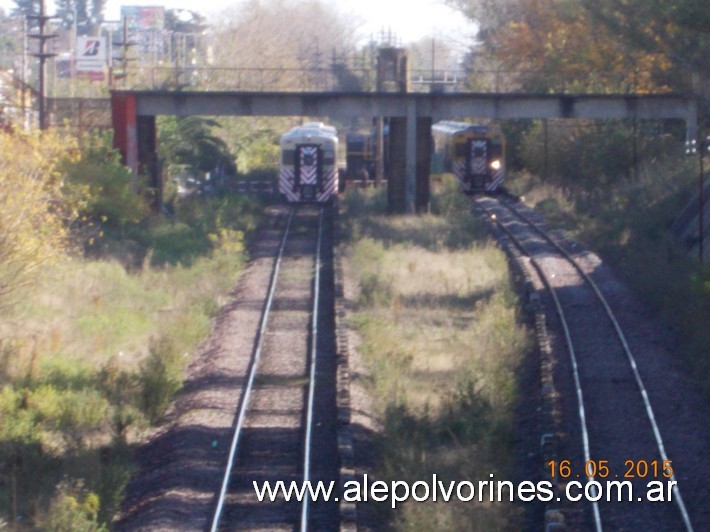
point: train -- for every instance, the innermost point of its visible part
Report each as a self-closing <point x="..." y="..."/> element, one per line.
<point x="309" y="168"/>
<point x="474" y="153"/>
<point x="361" y="154"/>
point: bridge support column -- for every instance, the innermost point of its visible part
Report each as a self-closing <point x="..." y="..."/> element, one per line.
<point x="408" y="187"/>
<point x="396" y="180"/>
<point x="125" y="132"/>
<point x="410" y="163"/>
<point x="135" y="137"/>
<point x="424" y="149"/>
<point x="147" y="140"/>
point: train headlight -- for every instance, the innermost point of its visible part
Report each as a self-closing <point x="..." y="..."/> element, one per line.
<point x="495" y="164"/>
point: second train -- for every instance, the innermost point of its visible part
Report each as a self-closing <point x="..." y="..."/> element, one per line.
<point x="474" y="153"/>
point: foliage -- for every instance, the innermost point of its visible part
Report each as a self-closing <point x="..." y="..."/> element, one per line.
<point x="88" y="13"/>
<point x="277" y="34"/>
<point x="101" y="187"/>
<point x="199" y="227"/>
<point x="678" y="30"/>
<point x="161" y="373"/>
<point x="191" y="141"/>
<point x="441" y="340"/>
<point x="73" y="508"/>
<point x="595" y="45"/>
<point x="254" y="141"/>
<point x="581" y="157"/>
<point x="33" y="212"/>
<point x="102" y="348"/>
<point x="629" y="227"/>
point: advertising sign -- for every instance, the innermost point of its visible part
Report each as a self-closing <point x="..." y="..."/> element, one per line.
<point x="91" y="57"/>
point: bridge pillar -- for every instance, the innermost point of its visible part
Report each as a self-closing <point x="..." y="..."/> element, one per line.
<point x="125" y="132"/>
<point x="135" y="137"/>
<point x="147" y="140"/>
<point x="396" y="194"/>
<point x="423" y="155"/>
<point x="409" y="162"/>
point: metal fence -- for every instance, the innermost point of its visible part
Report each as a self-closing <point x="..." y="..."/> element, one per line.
<point x="80" y="114"/>
<point x="364" y="79"/>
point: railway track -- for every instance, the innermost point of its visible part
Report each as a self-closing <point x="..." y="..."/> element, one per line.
<point x="287" y="414"/>
<point x="610" y="430"/>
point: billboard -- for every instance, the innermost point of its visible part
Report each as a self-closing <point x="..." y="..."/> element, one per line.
<point x="91" y="57"/>
<point x="145" y="26"/>
<point x="144" y="17"/>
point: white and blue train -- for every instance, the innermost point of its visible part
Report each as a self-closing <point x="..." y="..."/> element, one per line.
<point x="309" y="168"/>
<point x="475" y="153"/>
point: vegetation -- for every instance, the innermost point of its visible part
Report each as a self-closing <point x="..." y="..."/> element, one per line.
<point x="34" y="215"/>
<point x="593" y="45"/>
<point x="442" y="338"/>
<point x="617" y="186"/>
<point x="103" y="305"/>
<point x="627" y="221"/>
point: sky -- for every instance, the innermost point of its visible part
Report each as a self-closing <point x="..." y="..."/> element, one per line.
<point x="422" y="18"/>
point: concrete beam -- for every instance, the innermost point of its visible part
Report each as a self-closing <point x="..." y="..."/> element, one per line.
<point x="436" y="106"/>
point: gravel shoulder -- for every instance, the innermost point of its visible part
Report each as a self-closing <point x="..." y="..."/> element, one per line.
<point x="180" y="463"/>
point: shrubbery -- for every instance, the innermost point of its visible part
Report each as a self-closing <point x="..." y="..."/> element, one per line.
<point x="593" y="190"/>
<point x="34" y="214"/>
<point x="104" y="190"/>
<point x="441" y="338"/>
<point x="94" y="352"/>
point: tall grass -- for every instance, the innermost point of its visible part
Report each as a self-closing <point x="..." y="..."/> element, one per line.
<point x="95" y="353"/>
<point x="442" y="337"/>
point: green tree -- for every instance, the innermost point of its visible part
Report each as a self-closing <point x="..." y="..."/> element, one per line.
<point x="191" y="141"/>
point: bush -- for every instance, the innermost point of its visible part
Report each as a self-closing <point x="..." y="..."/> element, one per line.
<point x="161" y="377"/>
<point x="582" y="157"/>
<point x="33" y="212"/>
<point x="102" y="187"/>
<point x="73" y="509"/>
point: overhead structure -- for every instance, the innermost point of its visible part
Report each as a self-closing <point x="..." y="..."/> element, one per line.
<point x="415" y="110"/>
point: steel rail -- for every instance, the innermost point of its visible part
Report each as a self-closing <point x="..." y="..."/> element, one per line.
<point x="252" y="374"/>
<point x="312" y="378"/>
<point x="629" y="355"/>
<point x="570" y="349"/>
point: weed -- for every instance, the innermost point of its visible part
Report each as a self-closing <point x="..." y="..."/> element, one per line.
<point x="100" y="355"/>
<point x="442" y="337"/>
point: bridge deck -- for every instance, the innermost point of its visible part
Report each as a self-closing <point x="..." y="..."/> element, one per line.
<point x="434" y="105"/>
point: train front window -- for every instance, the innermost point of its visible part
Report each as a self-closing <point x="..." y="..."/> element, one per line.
<point x="287" y="157"/>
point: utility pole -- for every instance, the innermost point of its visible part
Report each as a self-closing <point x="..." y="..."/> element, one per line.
<point x="23" y="75"/>
<point x="701" y="148"/>
<point x="42" y="38"/>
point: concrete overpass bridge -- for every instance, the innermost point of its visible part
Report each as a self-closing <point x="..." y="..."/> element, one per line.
<point x="411" y="116"/>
